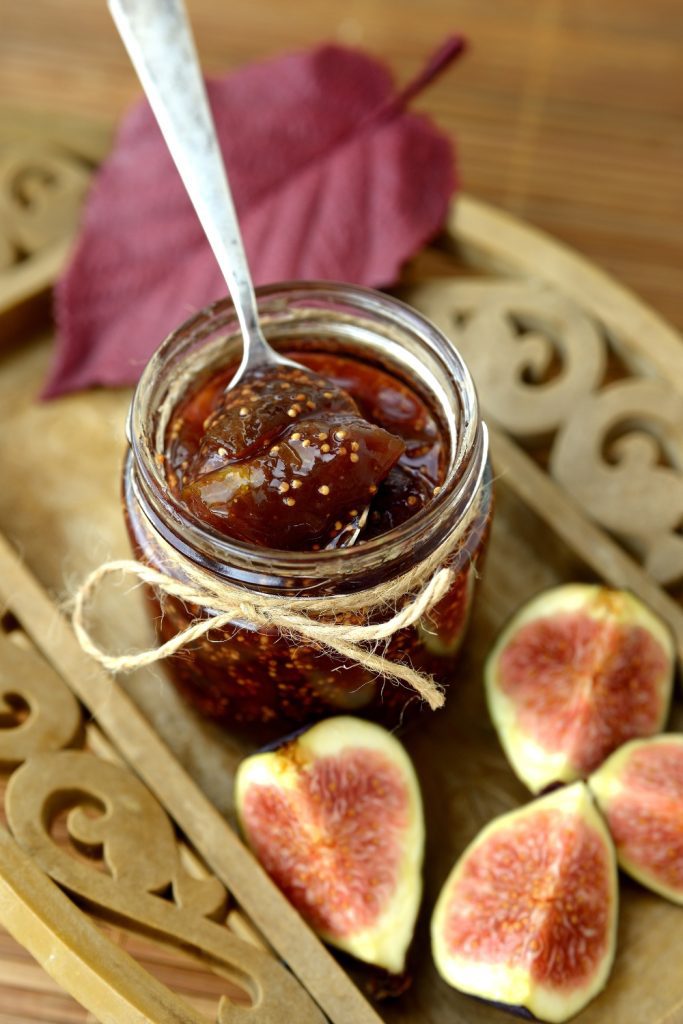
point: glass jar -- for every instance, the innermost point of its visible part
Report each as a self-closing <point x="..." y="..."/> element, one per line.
<point x="242" y="675"/>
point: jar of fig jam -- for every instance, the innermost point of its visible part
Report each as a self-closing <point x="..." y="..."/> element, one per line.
<point x="405" y="376"/>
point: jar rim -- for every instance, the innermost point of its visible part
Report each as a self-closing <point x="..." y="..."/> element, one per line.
<point x="213" y="550"/>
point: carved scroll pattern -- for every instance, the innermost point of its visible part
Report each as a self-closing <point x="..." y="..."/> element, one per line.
<point x="539" y="363"/>
<point x="124" y="861"/>
<point x="37" y="711"/>
<point x="41" y="190"/>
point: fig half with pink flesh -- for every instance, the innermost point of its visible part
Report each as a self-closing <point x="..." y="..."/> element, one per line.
<point x="335" y="817"/>
<point x="640" y="792"/>
<point x="578" y="671"/>
<point x="528" y="915"/>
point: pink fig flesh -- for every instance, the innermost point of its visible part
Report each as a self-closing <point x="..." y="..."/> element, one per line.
<point x="640" y="792"/>
<point x="579" y="670"/>
<point x="335" y="818"/>
<point x="528" y="914"/>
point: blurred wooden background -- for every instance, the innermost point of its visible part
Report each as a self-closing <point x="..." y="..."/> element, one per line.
<point x="566" y="112"/>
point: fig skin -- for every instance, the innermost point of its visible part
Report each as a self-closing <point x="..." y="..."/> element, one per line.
<point x="475" y="907"/>
<point x="639" y="790"/>
<point x="608" y="663"/>
<point x="321" y="849"/>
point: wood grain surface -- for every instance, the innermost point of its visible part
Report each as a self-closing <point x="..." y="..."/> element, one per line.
<point x="566" y="112"/>
<point x="59" y="505"/>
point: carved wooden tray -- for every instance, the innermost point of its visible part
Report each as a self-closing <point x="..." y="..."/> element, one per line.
<point x="583" y="398"/>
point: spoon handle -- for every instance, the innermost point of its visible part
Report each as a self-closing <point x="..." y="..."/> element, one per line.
<point x="158" y="38"/>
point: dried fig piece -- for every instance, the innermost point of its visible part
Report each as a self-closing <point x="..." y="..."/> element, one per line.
<point x="335" y="818"/>
<point x="640" y="792"/>
<point x="578" y="671"/>
<point x="528" y="915"/>
<point x="302" y="490"/>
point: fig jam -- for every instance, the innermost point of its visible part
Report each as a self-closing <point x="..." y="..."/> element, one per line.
<point x="261" y="485"/>
<point x="289" y="462"/>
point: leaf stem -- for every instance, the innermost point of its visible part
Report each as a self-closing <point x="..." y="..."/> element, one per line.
<point x="450" y="49"/>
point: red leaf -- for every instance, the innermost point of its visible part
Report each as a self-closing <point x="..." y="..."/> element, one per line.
<point x="332" y="180"/>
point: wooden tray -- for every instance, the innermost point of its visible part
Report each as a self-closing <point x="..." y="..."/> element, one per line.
<point x="488" y="277"/>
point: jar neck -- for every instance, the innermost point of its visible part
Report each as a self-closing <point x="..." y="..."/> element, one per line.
<point x="354" y="321"/>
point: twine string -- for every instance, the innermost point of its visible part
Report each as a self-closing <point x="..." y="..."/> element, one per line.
<point x="402" y="602"/>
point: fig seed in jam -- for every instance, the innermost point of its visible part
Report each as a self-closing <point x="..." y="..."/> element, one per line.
<point x="291" y="457"/>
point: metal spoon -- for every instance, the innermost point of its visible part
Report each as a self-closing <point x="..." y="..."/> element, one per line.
<point x="158" y="38"/>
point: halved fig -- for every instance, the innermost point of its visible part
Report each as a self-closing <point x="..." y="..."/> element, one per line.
<point x="578" y="671"/>
<point x="335" y="817"/>
<point x="640" y="792"/>
<point x="528" y="915"/>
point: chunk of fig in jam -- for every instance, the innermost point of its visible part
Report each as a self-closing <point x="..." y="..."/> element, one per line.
<point x="255" y="412"/>
<point x="403" y="492"/>
<point x="294" y="458"/>
<point x="301" y="490"/>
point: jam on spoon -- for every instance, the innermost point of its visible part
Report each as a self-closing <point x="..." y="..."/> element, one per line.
<point x="300" y="458"/>
<point x="287" y="460"/>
